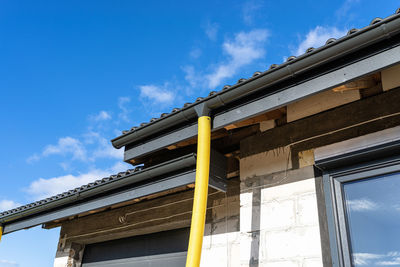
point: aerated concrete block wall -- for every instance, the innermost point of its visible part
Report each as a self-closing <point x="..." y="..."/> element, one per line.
<point x="221" y="241"/>
<point x="279" y="225"/>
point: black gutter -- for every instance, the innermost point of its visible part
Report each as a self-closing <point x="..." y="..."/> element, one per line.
<point x="377" y="31"/>
<point x="148" y="173"/>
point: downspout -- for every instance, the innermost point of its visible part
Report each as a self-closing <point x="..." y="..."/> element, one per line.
<point x="1" y="232"/>
<point x="201" y="188"/>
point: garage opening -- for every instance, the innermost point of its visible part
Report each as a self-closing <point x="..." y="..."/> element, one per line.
<point x="167" y="249"/>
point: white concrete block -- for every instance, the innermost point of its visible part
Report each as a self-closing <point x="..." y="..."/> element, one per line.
<point x="280" y="264"/>
<point x="215" y="256"/>
<point x="307" y="210"/>
<point x="233" y="237"/>
<point x="390" y="78"/>
<point x="286" y="191"/>
<point x="234" y="255"/>
<point x="207" y="236"/>
<point x="219" y="240"/>
<point x="61" y="261"/>
<point x="265" y="163"/>
<point x="245" y="247"/>
<point x="320" y="102"/>
<point x="246" y="199"/>
<point x="315" y="262"/>
<point x="245" y="218"/>
<point x="277" y="214"/>
<point x="297" y="242"/>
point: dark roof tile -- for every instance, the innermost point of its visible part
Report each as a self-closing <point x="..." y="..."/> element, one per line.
<point x="375" y="20"/>
<point x="290" y="58"/>
<point x="354" y="30"/>
<point x="310" y="49"/>
<point x="75" y="191"/>
<point x="330" y="40"/>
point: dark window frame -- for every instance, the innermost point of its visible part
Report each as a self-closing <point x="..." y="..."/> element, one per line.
<point x="333" y="180"/>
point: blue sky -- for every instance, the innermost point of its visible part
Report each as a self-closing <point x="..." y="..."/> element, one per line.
<point x="73" y="74"/>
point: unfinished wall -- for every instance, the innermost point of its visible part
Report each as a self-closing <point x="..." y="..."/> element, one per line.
<point x="320" y="102"/>
<point x="274" y="215"/>
<point x="68" y="254"/>
<point x="282" y="208"/>
<point x="278" y="210"/>
<point x="221" y="240"/>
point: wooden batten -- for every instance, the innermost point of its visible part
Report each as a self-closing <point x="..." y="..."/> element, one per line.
<point x="363" y="83"/>
<point x="272" y="115"/>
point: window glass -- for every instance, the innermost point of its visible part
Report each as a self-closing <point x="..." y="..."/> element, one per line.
<point x="373" y="215"/>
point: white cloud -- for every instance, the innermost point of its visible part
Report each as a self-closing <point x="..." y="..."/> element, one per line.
<point x="43" y="188"/>
<point x="103" y="147"/>
<point x="6" y="204"/>
<point x="67" y="145"/>
<point x="361" y="204"/>
<point x="46" y="187"/>
<point x="108" y="152"/>
<point x="156" y="93"/>
<point x="195" y="53"/>
<point x="392" y="262"/>
<point x="7" y="263"/>
<point x="122" y="105"/>
<point x="369" y="259"/>
<point x="365" y="258"/>
<point x="101" y="116"/>
<point x="191" y="76"/>
<point x="344" y="9"/>
<point x="120" y="167"/>
<point x="249" y="9"/>
<point x="317" y="37"/>
<point x="211" y="30"/>
<point x="244" y="49"/>
<point x="33" y="158"/>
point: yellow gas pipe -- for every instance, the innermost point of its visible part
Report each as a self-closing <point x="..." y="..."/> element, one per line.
<point x="1" y="232"/>
<point x="200" y="192"/>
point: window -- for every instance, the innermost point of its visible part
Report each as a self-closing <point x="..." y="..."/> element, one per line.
<point x="363" y="208"/>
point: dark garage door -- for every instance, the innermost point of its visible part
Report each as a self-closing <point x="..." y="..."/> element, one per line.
<point x="165" y="249"/>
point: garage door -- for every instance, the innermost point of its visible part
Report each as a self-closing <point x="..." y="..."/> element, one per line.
<point x="165" y="249"/>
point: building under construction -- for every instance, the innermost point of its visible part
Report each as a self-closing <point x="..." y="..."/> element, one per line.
<point x="292" y="167"/>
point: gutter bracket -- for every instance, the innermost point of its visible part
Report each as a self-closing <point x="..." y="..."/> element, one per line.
<point x="218" y="164"/>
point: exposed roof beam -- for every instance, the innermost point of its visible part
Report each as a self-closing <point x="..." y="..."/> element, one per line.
<point x="271" y="102"/>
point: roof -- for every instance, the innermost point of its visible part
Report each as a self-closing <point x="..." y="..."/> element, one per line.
<point x="273" y="68"/>
<point x="73" y="192"/>
<point x="101" y="186"/>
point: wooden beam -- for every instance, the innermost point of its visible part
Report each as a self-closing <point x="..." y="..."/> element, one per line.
<point x="272" y="115"/>
<point x="363" y="83"/>
<point x="324" y="123"/>
<point x="162" y="213"/>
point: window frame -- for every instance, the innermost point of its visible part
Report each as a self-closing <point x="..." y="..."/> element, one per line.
<point x="333" y="181"/>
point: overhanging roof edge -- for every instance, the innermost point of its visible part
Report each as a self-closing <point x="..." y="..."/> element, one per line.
<point x="378" y="30"/>
<point x="92" y="189"/>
